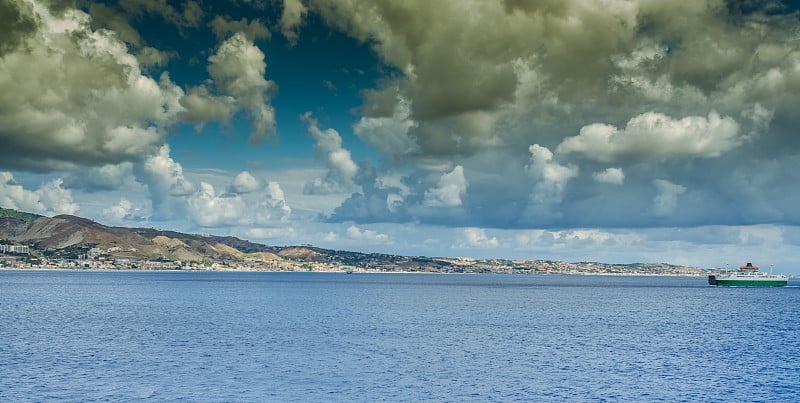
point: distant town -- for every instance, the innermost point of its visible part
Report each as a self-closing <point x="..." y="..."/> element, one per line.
<point x="86" y="258"/>
<point x="34" y="242"/>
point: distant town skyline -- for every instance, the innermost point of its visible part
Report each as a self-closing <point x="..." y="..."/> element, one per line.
<point x="632" y="131"/>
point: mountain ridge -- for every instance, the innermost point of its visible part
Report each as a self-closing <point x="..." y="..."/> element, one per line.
<point x="63" y="232"/>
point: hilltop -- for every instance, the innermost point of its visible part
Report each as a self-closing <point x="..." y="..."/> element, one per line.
<point x="81" y="242"/>
<point x="10" y="213"/>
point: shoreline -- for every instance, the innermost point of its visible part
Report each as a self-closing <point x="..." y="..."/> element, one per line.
<point x="72" y="269"/>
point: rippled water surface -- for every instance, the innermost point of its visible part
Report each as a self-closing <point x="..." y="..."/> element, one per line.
<point x="393" y="337"/>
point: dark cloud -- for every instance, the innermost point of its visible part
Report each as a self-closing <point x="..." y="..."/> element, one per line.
<point x="224" y="27"/>
<point x="664" y="119"/>
<point x="374" y="204"/>
<point x="104" y="16"/>
<point x="189" y="16"/>
<point x="71" y="96"/>
<point x="16" y="23"/>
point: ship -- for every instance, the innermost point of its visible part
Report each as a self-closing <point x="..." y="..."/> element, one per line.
<point x="748" y="276"/>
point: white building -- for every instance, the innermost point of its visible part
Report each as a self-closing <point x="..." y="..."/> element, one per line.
<point x="21" y="249"/>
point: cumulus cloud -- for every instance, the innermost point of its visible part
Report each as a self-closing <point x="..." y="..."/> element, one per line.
<point x="154" y="58"/>
<point x="277" y="200"/>
<point x="513" y="63"/>
<point x="666" y="201"/>
<point x="551" y="177"/>
<point x="463" y="74"/>
<point x="390" y="135"/>
<point x="118" y="212"/>
<point x="655" y="135"/>
<point x="633" y="84"/>
<point x="614" y="176"/>
<point x="106" y="177"/>
<point x="382" y="198"/>
<point x="245" y="182"/>
<point x="49" y="199"/>
<point x="238" y="69"/>
<point x="107" y="17"/>
<point x="223" y="27"/>
<point x="448" y="191"/>
<point x="272" y="209"/>
<point x="100" y="110"/>
<point x="123" y="212"/>
<point x="476" y="238"/>
<point x="165" y="182"/>
<point x="208" y="209"/>
<point x="220" y="200"/>
<point x="357" y="234"/>
<point x="199" y="106"/>
<point x="340" y="168"/>
<point x="190" y="16"/>
<point x="415" y="39"/>
<point x="292" y="18"/>
<point x="17" y="21"/>
<point x="281" y="234"/>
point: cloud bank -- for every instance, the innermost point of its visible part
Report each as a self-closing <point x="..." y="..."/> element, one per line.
<point x="566" y="122"/>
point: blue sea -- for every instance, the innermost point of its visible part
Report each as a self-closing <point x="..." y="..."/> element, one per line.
<point x="321" y="337"/>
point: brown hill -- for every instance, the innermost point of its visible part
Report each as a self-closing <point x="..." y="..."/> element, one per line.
<point x="305" y="253"/>
<point x="65" y="230"/>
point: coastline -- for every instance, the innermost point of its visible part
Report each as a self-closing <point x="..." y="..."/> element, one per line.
<point x="345" y="271"/>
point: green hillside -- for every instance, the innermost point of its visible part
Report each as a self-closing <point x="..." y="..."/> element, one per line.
<point x="19" y="215"/>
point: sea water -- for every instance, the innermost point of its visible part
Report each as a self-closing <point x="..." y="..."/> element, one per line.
<point x="207" y="336"/>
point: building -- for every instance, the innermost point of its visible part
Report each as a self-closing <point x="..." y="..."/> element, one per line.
<point x="20" y="249"/>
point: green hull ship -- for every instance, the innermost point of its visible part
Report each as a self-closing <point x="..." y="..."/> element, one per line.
<point x="748" y="276"/>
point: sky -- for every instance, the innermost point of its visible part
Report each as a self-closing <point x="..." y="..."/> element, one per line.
<point x="617" y="131"/>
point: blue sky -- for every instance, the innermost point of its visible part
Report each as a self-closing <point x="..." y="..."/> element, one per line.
<point x="638" y="131"/>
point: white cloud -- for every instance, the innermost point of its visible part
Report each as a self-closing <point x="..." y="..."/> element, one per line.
<point x="276" y="192"/>
<point x="280" y="234"/>
<point x="394" y="201"/>
<point x="238" y="70"/>
<point x="165" y="182"/>
<point x="49" y="199"/>
<point x="245" y="182"/>
<point x="118" y="212"/>
<point x="243" y="201"/>
<point x="614" y="176"/>
<point x="164" y="175"/>
<point x="476" y="238"/>
<point x="292" y="18"/>
<point x="666" y="201"/>
<point x="273" y="208"/>
<point x="208" y="209"/>
<point x="655" y="135"/>
<point x="340" y="168"/>
<point x="123" y="212"/>
<point x="551" y="177"/>
<point x="55" y="199"/>
<point x="329" y="237"/>
<point x="357" y="234"/>
<point x="448" y="191"/>
<point x="759" y="117"/>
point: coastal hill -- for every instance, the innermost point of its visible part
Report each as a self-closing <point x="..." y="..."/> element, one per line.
<point x="70" y="239"/>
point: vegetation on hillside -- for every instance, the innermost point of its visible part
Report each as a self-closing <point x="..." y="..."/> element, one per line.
<point x="19" y="215"/>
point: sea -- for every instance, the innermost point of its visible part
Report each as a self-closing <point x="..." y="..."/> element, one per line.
<point x="326" y="337"/>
